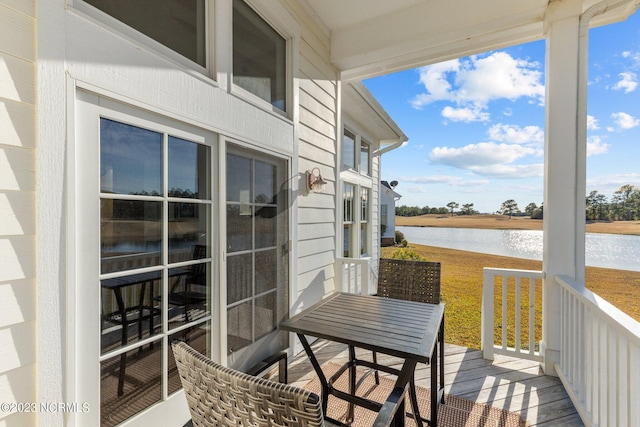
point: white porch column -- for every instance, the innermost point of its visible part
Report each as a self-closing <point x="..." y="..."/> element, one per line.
<point x="565" y="166"/>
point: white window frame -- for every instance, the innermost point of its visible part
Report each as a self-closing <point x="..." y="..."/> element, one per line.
<point x="359" y="141"/>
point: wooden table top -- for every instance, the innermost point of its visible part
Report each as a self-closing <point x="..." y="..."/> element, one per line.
<point x="396" y="327"/>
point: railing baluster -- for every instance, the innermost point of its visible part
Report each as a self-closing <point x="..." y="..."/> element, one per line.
<point x="532" y="316"/>
<point x="505" y="306"/>
<point x="518" y="337"/>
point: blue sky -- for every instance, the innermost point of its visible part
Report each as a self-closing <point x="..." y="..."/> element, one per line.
<point x="476" y="124"/>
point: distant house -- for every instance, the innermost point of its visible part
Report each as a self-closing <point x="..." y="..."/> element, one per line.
<point x="388" y="198"/>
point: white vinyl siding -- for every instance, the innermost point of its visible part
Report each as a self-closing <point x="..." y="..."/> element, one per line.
<point x="18" y="272"/>
<point x="318" y="98"/>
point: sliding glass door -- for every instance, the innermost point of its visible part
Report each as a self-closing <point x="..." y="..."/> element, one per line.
<point x="257" y="255"/>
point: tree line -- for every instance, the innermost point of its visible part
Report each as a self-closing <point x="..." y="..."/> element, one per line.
<point x="624" y="205"/>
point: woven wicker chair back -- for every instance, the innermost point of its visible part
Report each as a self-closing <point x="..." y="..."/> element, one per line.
<point x="222" y="397"/>
<point x="409" y="280"/>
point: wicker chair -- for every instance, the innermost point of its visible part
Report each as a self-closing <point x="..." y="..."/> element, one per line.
<point x="409" y="280"/>
<point x="219" y="396"/>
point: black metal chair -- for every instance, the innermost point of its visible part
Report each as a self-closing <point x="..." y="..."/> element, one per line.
<point x="182" y="293"/>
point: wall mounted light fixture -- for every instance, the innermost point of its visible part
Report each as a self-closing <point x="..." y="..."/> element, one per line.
<point x="315" y="183"/>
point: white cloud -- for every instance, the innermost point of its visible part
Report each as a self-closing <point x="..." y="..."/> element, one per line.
<point x="596" y="146"/>
<point x="479" y="80"/>
<point x="444" y="179"/>
<point x="625" y="121"/>
<point x="466" y="115"/>
<point x="592" y="123"/>
<point x="516" y="135"/>
<point x="476" y="155"/>
<point x="628" y="82"/>
<point x="511" y="171"/>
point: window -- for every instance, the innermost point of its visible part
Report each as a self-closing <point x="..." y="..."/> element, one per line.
<point x="155" y="261"/>
<point x="259" y="56"/>
<point x="364" y="220"/>
<point x="348" y="197"/>
<point x="348" y="150"/>
<point x="365" y="157"/>
<point x="356" y="153"/>
<point x="177" y="24"/>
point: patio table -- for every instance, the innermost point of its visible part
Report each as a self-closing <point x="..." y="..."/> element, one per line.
<point x="408" y="330"/>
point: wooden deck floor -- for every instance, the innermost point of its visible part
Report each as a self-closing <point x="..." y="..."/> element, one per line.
<point x="508" y="383"/>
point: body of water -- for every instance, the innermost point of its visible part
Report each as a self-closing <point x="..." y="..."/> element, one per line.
<point x="616" y="251"/>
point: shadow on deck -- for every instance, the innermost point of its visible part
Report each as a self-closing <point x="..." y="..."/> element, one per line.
<point x="508" y="383"/>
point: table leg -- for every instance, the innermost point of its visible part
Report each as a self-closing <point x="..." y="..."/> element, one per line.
<point x="124" y="336"/>
<point x="318" y="369"/>
<point x="405" y="376"/>
<point x="352" y="382"/>
<point x="441" y="339"/>
<point x="435" y="391"/>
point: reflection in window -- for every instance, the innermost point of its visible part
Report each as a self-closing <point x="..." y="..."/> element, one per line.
<point x="143" y="373"/>
<point x="259" y="56"/>
<point x="188" y="169"/>
<point x="130" y="229"/>
<point x="348" y="203"/>
<point x="348" y="150"/>
<point x="364" y="219"/>
<point x="365" y="156"/>
<point x="155" y="195"/>
<point x="130" y="159"/>
<point x="177" y="24"/>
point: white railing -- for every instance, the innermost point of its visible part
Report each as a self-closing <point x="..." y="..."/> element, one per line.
<point x="599" y="357"/>
<point x="355" y="275"/>
<point x="517" y="290"/>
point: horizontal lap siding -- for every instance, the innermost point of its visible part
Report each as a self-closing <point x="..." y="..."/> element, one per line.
<point x="318" y="121"/>
<point x="17" y="208"/>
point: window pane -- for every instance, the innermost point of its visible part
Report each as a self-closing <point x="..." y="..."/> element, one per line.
<point x="348" y="200"/>
<point x="239" y="228"/>
<point x="239" y="277"/>
<point x="188" y="227"/>
<point x="130" y="309"/>
<point x="266" y="270"/>
<point x="197" y="337"/>
<point x="348" y="150"/>
<point x="259" y="56"/>
<point x="130" y="159"/>
<point x="130" y="234"/>
<point x="364" y="158"/>
<point x="266" y="319"/>
<point x="189" y="294"/>
<point x="266" y="226"/>
<point x="364" y="203"/>
<point x="266" y="190"/>
<point x="177" y="24"/>
<point x="363" y="238"/>
<point x="141" y="384"/>
<point x="239" y="179"/>
<point x="346" y="240"/>
<point x="239" y="326"/>
<point x="188" y="169"/>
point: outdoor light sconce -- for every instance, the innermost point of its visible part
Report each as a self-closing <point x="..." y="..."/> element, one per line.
<point x="315" y="183"/>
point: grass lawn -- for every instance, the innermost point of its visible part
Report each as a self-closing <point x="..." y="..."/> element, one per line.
<point x="462" y="276"/>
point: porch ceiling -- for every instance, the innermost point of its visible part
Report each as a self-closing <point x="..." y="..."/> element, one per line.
<point x="375" y="37"/>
